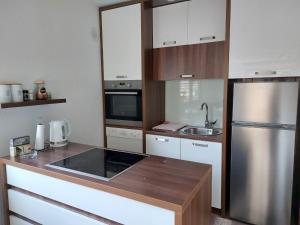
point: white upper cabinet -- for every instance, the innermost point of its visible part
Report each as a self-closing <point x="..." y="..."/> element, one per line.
<point x="122" y="43"/>
<point x="264" y="39"/>
<point x="170" y="25"/>
<point x="206" y="21"/>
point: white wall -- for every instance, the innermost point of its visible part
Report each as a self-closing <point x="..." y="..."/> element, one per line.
<point x="52" y="40"/>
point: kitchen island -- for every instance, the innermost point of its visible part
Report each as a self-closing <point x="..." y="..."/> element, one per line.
<point x="155" y="191"/>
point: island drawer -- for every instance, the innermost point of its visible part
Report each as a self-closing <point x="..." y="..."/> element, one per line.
<point x="44" y="212"/>
<point x="17" y="221"/>
<point x="107" y="205"/>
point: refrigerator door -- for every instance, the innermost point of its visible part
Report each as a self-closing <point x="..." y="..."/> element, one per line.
<point x="268" y="102"/>
<point x="261" y="175"/>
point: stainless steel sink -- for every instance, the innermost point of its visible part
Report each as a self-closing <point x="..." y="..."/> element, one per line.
<point x="201" y="131"/>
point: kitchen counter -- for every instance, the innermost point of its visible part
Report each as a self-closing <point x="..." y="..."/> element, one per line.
<point x="171" y="184"/>
<point x="213" y="138"/>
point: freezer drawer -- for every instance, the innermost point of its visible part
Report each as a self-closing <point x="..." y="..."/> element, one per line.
<point x="271" y="102"/>
<point x="261" y="175"/>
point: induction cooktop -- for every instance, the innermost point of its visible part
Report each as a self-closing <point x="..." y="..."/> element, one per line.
<point x="98" y="163"/>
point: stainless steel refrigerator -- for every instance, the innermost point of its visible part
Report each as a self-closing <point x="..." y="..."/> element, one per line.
<point x="262" y="152"/>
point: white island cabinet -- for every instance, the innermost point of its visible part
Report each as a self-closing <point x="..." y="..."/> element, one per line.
<point x="264" y="39"/>
<point x="112" y="207"/>
<point x="122" y="43"/>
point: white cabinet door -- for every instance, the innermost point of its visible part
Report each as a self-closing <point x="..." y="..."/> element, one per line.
<point x="17" y="221"/>
<point x="45" y="213"/>
<point x="264" y="39"/>
<point x="121" y="33"/>
<point x="208" y="153"/>
<point x="170" y="25"/>
<point x="206" y="21"/>
<point x="163" y="146"/>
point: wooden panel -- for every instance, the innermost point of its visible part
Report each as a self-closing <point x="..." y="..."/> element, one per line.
<point x="31" y="103"/>
<point x="202" y="61"/>
<point x="199" y="211"/>
<point x="3" y="188"/>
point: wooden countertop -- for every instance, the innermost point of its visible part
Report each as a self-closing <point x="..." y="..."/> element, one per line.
<point x="214" y="138"/>
<point x="164" y="182"/>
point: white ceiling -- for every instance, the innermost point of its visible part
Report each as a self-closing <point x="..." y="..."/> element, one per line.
<point x="108" y="2"/>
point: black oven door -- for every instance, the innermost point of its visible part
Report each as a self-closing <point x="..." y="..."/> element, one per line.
<point x="123" y="107"/>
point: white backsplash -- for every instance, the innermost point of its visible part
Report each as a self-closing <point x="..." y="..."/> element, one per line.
<point x="184" y="99"/>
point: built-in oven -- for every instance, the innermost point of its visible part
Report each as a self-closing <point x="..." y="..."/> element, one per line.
<point x="123" y="103"/>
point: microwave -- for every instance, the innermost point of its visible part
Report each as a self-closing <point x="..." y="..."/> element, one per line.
<point x="123" y="103"/>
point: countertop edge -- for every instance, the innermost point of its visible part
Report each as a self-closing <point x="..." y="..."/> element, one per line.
<point x="102" y="187"/>
<point x="216" y="139"/>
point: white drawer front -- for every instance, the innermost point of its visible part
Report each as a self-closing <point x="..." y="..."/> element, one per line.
<point x="209" y="153"/>
<point x="163" y="146"/>
<point x="44" y="212"/>
<point x="17" y="221"/>
<point x="110" y="206"/>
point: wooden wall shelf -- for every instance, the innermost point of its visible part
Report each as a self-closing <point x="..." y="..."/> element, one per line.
<point x="31" y="103"/>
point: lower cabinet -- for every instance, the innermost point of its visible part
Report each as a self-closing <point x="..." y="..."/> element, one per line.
<point x="44" y="212"/>
<point x="113" y="207"/>
<point x="191" y="150"/>
<point x="17" y="221"/>
<point x="208" y="153"/>
<point x="163" y="146"/>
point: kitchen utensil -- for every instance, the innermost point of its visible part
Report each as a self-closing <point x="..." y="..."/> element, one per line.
<point x="40" y="137"/>
<point x="60" y="132"/>
<point x="5" y="93"/>
<point x="17" y="92"/>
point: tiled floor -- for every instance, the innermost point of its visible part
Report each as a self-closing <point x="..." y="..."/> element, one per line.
<point x="220" y="221"/>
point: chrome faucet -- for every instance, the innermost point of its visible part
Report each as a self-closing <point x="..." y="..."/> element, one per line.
<point x="206" y="117"/>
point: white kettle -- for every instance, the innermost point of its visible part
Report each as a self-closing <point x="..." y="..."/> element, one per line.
<point x="60" y="132"/>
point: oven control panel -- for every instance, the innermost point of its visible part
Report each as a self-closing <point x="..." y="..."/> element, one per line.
<point x="128" y="84"/>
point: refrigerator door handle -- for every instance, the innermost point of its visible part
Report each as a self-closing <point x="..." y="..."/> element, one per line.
<point x="264" y="125"/>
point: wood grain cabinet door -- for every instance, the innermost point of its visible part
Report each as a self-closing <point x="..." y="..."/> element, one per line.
<point x="264" y="39"/>
<point x="206" y="21"/>
<point x="170" y="25"/>
<point x="122" y="46"/>
<point x="200" y="61"/>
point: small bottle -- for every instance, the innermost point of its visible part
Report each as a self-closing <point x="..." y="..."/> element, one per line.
<point x="30" y="95"/>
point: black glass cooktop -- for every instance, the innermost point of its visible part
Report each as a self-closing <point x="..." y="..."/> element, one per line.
<point x="98" y="163"/>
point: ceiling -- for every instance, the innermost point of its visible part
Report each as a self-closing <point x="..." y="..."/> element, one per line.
<point x="108" y="2"/>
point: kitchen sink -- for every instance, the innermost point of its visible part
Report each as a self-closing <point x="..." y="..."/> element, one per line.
<point x="201" y="131"/>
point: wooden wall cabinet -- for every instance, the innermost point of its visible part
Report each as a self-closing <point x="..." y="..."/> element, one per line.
<point x="122" y="43"/>
<point x="201" y="61"/>
<point x="264" y="40"/>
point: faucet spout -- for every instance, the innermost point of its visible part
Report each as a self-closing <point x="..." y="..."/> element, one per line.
<point x="206" y="117"/>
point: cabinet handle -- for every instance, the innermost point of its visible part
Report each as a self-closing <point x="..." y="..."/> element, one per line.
<point x="162" y="139"/>
<point x="268" y="72"/>
<point x="169" y="42"/>
<point x="207" y="38"/>
<point x="200" y="145"/>
<point x="121" y="76"/>
<point x="187" y="76"/>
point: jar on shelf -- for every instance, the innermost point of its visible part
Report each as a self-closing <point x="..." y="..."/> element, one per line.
<point x="40" y="90"/>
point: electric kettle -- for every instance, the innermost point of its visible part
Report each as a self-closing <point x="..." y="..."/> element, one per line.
<point x="60" y="132"/>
